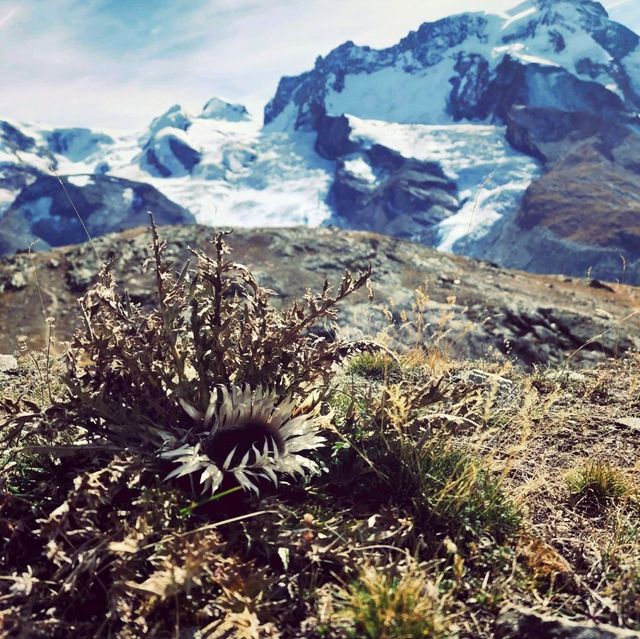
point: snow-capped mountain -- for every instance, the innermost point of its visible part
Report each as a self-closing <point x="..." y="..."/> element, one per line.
<point x="564" y="54"/>
<point x="505" y="136"/>
<point x="217" y="164"/>
<point x="557" y="80"/>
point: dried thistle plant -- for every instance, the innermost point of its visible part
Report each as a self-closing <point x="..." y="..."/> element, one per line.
<point x="212" y="377"/>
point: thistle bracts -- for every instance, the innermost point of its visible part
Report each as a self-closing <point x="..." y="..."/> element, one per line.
<point x="248" y="434"/>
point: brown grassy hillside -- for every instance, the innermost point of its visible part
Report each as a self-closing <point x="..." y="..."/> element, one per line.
<point x="210" y="465"/>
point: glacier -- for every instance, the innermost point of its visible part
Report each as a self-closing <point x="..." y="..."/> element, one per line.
<point x="491" y="176"/>
<point x="422" y="98"/>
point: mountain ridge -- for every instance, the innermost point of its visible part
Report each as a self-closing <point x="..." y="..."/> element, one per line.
<point x="424" y="49"/>
<point x="471" y="308"/>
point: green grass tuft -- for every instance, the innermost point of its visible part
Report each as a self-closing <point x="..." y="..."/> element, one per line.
<point x="449" y="491"/>
<point x="375" y="366"/>
<point x="597" y="485"/>
<point x="382" y="606"/>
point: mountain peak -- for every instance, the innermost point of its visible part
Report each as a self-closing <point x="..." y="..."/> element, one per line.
<point x="561" y="9"/>
<point x="456" y="59"/>
<point x="217" y="109"/>
<point x="175" y="117"/>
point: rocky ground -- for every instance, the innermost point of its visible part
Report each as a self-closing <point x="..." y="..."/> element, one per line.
<point x="464" y="307"/>
<point x="455" y="498"/>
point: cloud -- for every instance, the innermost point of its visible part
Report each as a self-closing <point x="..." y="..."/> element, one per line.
<point x="8" y="15"/>
<point x="115" y="63"/>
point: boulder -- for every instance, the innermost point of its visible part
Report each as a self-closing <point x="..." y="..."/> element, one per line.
<point x="524" y="623"/>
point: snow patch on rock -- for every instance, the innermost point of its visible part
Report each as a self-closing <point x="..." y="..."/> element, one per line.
<point x="217" y="109"/>
<point x="80" y="180"/>
<point x="360" y="168"/>
<point x="490" y="175"/>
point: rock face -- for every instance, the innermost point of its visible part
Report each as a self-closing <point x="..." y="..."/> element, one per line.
<point x="536" y="86"/>
<point x="583" y="214"/>
<point x="334" y="137"/>
<point x="547" y="133"/>
<point x="588" y="208"/>
<point x="43" y="210"/>
<point x="384" y="183"/>
<point x="168" y="153"/>
<point x="379" y="190"/>
<point x="474" y="309"/>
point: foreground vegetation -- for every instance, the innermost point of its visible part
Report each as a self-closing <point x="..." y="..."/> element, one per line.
<point x="213" y="467"/>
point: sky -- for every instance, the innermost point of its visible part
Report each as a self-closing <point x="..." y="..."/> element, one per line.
<point x="119" y="63"/>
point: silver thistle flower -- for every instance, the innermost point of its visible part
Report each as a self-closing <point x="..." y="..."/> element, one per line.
<point x="266" y="438"/>
<point x="191" y="460"/>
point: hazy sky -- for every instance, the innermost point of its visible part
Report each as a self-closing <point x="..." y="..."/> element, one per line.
<point x="121" y="62"/>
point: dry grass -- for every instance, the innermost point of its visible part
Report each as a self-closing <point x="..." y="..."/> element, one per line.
<point x="443" y="495"/>
<point x="379" y="605"/>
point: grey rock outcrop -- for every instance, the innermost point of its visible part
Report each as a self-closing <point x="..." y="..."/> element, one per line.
<point x="377" y="189"/>
<point x="397" y="196"/>
<point x="522" y="623"/>
<point x="583" y="215"/>
<point x="334" y="137"/>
